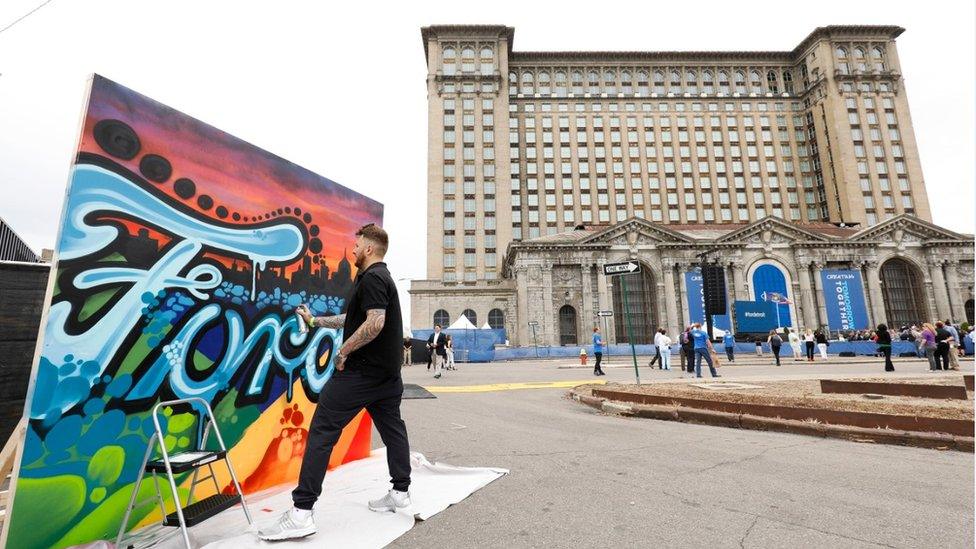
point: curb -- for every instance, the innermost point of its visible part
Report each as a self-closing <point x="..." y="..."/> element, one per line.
<point x="939" y="441"/>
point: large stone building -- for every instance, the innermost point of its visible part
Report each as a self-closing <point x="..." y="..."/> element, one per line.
<point x="803" y="160"/>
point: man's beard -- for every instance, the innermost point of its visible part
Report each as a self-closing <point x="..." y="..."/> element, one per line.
<point x="360" y="259"/>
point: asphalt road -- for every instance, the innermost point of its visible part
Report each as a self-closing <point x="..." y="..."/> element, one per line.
<point x="580" y="478"/>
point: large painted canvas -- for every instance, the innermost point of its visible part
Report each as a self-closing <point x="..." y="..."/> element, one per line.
<point x="182" y="254"/>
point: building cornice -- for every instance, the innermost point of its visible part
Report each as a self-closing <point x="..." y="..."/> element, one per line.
<point x="462" y="32"/>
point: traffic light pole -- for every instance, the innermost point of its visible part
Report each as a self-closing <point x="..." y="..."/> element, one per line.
<point x="630" y="335"/>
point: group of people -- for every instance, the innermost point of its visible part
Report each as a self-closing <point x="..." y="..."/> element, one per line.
<point x="440" y="352"/>
<point x="801" y="345"/>
<point x="941" y="344"/>
<point x="694" y="346"/>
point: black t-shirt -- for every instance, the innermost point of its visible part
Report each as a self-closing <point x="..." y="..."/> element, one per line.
<point x="374" y="289"/>
<point x="942" y="334"/>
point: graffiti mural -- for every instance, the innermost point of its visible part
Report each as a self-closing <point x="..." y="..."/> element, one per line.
<point x="182" y="255"/>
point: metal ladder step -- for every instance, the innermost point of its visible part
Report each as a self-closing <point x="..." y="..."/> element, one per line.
<point x="185" y="461"/>
<point x="195" y="513"/>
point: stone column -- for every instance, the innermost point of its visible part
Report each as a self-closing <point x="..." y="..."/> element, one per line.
<point x="739" y="291"/>
<point x="589" y="315"/>
<point x="821" y="305"/>
<point x="523" y="335"/>
<point x="809" y="312"/>
<point x="957" y="299"/>
<point x="670" y="298"/>
<point x="873" y="283"/>
<point x="550" y="319"/>
<point x="683" y="299"/>
<point x="942" y="310"/>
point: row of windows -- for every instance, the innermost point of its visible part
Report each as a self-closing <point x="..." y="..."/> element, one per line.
<point x="496" y="318"/>
<point x="659" y="106"/>
<point x="660" y="82"/>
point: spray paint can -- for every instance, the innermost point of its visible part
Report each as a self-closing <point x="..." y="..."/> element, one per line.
<point x="302" y="325"/>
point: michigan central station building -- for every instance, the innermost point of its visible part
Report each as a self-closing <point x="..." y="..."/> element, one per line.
<point x="798" y="170"/>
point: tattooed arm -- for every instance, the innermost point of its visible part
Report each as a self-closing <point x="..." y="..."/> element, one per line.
<point x="371" y="327"/>
<point x="334" y="322"/>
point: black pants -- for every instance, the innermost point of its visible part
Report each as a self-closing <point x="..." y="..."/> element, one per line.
<point x="942" y="356"/>
<point x="889" y="367"/>
<point x="775" y="349"/>
<point x="599" y="358"/>
<point x="343" y="397"/>
<point x="657" y="356"/>
<point x="809" y="350"/>
<point x="730" y="352"/>
<point x="690" y="358"/>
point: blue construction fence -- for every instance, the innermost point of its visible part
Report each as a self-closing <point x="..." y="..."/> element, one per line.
<point x="479" y="346"/>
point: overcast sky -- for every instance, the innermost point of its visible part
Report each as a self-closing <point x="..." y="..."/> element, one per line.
<point x="341" y="91"/>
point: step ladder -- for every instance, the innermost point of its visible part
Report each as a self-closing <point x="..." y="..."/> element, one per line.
<point x="194" y="512"/>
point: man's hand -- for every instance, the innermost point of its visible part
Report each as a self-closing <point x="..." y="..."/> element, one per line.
<point x="340" y="360"/>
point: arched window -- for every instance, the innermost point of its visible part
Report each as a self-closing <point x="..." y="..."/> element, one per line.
<point x="527" y="80"/>
<point x="878" y="54"/>
<point x="467" y="53"/>
<point x="567" y="325"/>
<point x="641" y="307"/>
<point x="512" y="83"/>
<point x="442" y="318"/>
<point x="561" y="84"/>
<point x="788" y="81"/>
<point x="609" y="82"/>
<point x="544" y="83"/>
<point x="472" y="316"/>
<point x="771" y="82"/>
<point x="768" y="279"/>
<point x="708" y="85"/>
<point x="904" y="298"/>
<point x="642" y="84"/>
<point x="626" y="83"/>
<point x="577" y="82"/>
<point x="593" y="78"/>
<point x="675" y="86"/>
<point x="842" y="53"/>
<point x="723" y="82"/>
<point x="755" y="82"/>
<point x="691" y="82"/>
<point x="496" y="319"/>
<point x="858" y="53"/>
<point x="658" y="82"/>
<point x="487" y="53"/>
<point x="449" y="52"/>
<point x="740" y="82"/>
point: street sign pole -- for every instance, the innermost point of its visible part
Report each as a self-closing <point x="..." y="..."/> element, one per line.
<point x="630" y="335"/>
<point x="606" y="331"/>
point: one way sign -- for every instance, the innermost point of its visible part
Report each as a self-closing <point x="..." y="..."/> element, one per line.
<point x="627" y="267"/>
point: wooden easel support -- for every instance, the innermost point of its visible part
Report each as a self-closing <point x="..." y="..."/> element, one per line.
<point x="8" y="457"/>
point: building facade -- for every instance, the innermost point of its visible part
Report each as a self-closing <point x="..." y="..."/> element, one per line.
<point x="525" y="146"/>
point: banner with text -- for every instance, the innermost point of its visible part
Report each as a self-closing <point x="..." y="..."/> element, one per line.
<point x="754" y="316"/>
<point x="844" y="298"/>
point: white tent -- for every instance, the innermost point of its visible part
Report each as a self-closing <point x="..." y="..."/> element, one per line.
<point x="462" y="323"/>
<point x="486" y="326"/>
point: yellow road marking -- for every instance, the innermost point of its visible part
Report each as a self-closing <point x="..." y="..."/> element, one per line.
<point x="513" y="386"/>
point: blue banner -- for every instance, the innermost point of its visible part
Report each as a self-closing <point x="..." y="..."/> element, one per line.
<point x="754" y="316"/>
<point x="844" y="298"/>
<point x="768" y="280"/>
<point x="696" y="302"/>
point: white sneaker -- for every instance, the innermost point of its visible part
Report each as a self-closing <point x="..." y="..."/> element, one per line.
<point x="393" y="500"/>
<point x="289" y="526"/>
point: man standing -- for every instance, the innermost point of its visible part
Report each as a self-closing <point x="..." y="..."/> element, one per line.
<point x="598" y="351"/>
<point x="729" y="340"/>
<point x="688" y="349"/>
<point x="703" y="349"/>
<point x="657" y="350"/>
<point x="953" y="345"/>
<point x="367" y="375"/>
<point x="438" y="352"/>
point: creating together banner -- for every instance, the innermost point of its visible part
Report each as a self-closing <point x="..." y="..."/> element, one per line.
<point x="696" y="302"/>
<point x="843" y="295"/>
<point x="182" y="255"/>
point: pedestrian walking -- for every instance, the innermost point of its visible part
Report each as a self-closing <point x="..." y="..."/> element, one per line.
<point x="449" y="352"/>
<point x="928" y="344"/>
<point x="598" y="352"/>
<point x="664" y="345"/>
<point x="438" y="351"/>
<point x="883" y="338"/>
<point x="942" y="339"/>
<point x="367" y="376"/>
<point x="729" y="341"/>
<point x="822" y="343"/>
<point x="657" y="349"/>
<point x="775" y="343"/>
<point x="953" y="345"/>
<point x="809" y="341"/>
<point x="794" y="340"/>
<point x="687" y="351"/>
<point x="703" y="349"/>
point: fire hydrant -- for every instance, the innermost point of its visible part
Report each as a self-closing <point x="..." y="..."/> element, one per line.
<point x="583" y="356"/>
